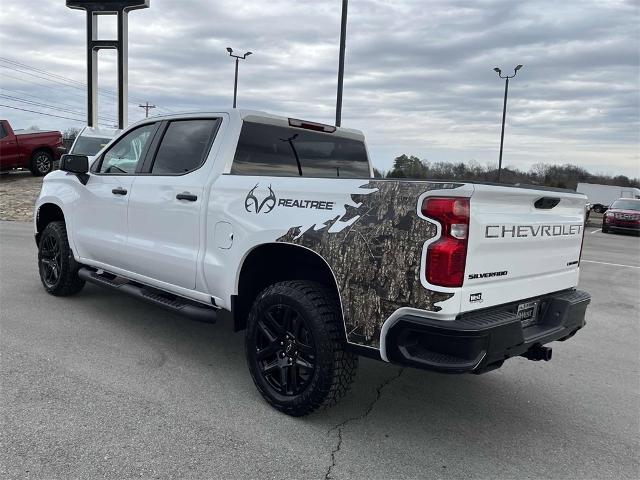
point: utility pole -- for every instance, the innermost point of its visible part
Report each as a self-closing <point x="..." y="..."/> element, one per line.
<point x="235" y="83"/>
<point x="147" y="107"/>
<point x="504" y="110"/>
<point x="343" y="39"/>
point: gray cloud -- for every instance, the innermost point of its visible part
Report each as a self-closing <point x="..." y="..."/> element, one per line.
<point x="418" y="80"/>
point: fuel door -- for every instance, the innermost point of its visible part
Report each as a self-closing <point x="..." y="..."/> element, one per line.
<point x="223" y="235"/>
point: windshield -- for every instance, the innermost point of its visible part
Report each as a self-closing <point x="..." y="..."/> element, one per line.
<point x="626" y="205"/>
<point x="89" y="146"/>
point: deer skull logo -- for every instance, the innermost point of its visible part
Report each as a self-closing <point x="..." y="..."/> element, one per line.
<point x="252" y="204"/>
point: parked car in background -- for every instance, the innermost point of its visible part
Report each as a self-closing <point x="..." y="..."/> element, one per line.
<point x="33" y="149"/>
<point x="600" y="196"/>
<point x="623" y="214"/>
<point x="91" y="140"/>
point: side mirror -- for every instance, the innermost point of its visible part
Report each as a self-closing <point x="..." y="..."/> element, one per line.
<point x="77" y="165"/>
<point x="74" y="163"/>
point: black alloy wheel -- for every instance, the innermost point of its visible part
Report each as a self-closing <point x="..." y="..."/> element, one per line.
<point x="295" y="347"/>
<point x="57" y="267"/>
<point x="50" y="261"/>
<point x="285" y="350"/>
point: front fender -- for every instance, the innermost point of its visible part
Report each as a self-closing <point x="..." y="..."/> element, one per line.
<point x="59" y="189"/>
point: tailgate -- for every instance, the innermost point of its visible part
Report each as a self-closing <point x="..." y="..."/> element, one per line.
<point x="522" y="243"/>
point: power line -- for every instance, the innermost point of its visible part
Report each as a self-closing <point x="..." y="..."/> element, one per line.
<point x="45" y="105"/>
<point x="54" y="89"/>
<point x="45" y="72"/>
<point x="39" y="104"/>
<point x="56" y="105"/>
<point x="51" y="115"/>
<point x="42" y="113"/>
<point x="59" y="79"/>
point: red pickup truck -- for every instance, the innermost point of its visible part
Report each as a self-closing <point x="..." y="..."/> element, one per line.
<point x="34" y="150"/>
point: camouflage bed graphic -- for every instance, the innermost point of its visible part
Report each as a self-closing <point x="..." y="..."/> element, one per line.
<point x="376" y="260"/>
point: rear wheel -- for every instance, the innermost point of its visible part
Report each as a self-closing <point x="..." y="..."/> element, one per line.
<point x="41" y="163"/>
<point x="295" y="347"/>
<point x="58" y="269"/>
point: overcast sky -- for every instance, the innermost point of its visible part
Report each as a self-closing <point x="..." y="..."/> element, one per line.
<point x="419" y="73"/>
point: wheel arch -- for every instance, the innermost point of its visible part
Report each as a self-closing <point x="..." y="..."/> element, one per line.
<point x="268" y="263"/>
<point x="43" y="148"/>
<point x="47" y="212"/>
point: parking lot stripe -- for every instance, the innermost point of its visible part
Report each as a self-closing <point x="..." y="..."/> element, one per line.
<point x="595" y="231"/>
<point x="612" y="264"/>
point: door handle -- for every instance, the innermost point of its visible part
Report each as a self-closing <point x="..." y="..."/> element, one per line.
<point x="119" y="191"/>
<point x="187" y="196"/>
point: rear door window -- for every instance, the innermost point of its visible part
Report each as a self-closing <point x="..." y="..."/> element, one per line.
<point x="2" y="132"/>
<point x="282" y="151"/>
<point x="184" y="146"/>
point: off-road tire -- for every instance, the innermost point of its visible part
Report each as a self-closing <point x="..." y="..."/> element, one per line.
<point x="41" y="163"/>
<point x="67" y="282"/>
<point x="334" y="371"/>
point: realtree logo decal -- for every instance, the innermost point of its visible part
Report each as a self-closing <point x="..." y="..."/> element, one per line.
<point x="264" y="205"/>
<point x="252" y="204"/>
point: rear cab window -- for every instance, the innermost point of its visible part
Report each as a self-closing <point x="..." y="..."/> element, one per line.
<point x="271" y="150"/>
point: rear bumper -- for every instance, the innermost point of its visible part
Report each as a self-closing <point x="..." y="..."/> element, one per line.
<point x="482" y="340"/>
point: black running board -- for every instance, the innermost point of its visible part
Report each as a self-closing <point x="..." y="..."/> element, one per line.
<point x="173" y="303"/>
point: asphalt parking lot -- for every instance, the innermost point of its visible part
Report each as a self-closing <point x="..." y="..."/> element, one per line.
<point x="101" y="385"/>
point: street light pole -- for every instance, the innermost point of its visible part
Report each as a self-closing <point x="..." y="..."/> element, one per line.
<point x="343" y="39"/>
<point x="504" y="110"/>
<point x="235" y="82"/>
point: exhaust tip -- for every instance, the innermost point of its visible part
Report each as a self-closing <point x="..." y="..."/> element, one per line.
<point x="538" y="352"/>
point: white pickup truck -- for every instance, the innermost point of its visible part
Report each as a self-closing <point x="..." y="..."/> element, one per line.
<point x="278" y="224"/>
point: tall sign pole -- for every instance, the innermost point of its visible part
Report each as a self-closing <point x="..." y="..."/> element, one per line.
<point x="121" y="8"/>
<point x="343" y="39"/>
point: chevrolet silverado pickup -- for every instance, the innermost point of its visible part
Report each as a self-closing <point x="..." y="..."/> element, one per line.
<point x="36" y="150"/>
<point x="278" y="225"/>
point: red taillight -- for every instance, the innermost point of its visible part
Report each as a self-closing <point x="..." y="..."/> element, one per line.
<point x="446" y="258"/>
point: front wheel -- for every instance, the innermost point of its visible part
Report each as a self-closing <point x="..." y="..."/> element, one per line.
<point x="58" y="269"/>
<point x="295" y="347"/>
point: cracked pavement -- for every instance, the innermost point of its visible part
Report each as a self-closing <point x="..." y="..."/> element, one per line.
<point x="364" y="415"/>
<point x="104" y="386"/>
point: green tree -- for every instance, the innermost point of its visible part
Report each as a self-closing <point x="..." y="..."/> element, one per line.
<point x="408" y="167"/>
